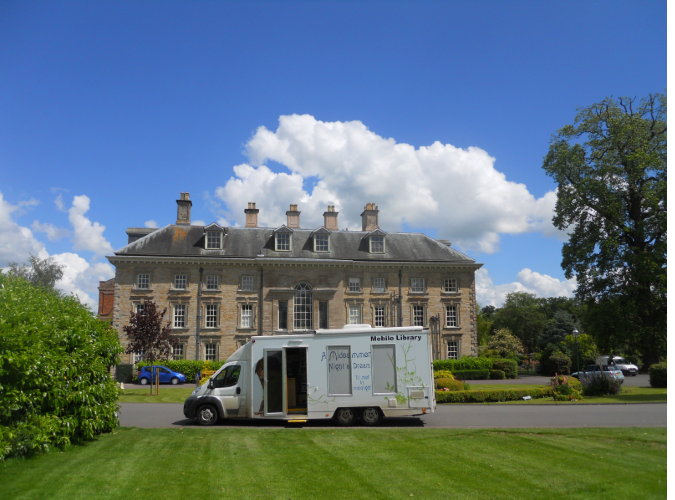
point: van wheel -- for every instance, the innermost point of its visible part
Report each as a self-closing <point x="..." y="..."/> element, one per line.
<point x="371" y="417"/>
<point x="207" y="415"/>
<point x="175" y="381"/>
<point x="345" y="417"/>
<point x="144" y="381"/>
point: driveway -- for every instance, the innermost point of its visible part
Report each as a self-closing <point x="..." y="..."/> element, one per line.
<point x="474" y="416"/>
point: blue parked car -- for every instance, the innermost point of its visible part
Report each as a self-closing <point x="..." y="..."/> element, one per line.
<point x="166" y="376"/>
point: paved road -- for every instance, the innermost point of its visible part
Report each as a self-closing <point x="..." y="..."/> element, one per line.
<point x="448" y="416"/>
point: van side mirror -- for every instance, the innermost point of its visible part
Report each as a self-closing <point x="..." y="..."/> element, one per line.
<point x="210" y="386"/>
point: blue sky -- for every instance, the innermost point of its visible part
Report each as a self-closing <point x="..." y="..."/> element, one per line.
<point x="112" y="109"/>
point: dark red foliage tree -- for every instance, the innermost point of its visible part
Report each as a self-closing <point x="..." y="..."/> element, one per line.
<point x="146" y="334"/>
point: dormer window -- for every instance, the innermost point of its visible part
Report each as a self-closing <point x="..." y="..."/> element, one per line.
<point x="321" y="243"/>
<point x="213" y="237"/>
<point x="377" y="244"/>
<point x="282" y="242"/>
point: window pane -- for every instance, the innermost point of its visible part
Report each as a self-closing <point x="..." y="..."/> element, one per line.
<point x="180" y="281"/>
<point x="379" y="316"/>
<point x="213" y="239"/>
<point x="354" y="285"/>
<point x="247" y="283"/>
<point x="321" y="243"/>
<point x="210" y="352"/>
<point x="378" y="285"/>
<point x="418" y="315"/>
<point x="212" y="282"/>
<point x="354" y="315"/>
<point x="144" y="281"/>
<point x="179" y="316"/>
<point x="211" y="316"/>
<point x="417" y="285"/>
<point x="339" y="370"/>
<point x="228" y="377"/>
<point x="384" y="369"/>
<point x="283" y="241"/>
<point x="302" y="307"/>
<point x="377" y="244"/>
<point x="283" y="315"/>
<point x="450" y="285"/>
<point x="323" y="315"/>
<point x="451" y="315"/>
<point x="177" y="352"/>
<point x="246" y="316"/>
<point x="453" y="349"/>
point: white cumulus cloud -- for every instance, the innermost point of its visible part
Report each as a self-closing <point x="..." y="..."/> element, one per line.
<point x="16" y="242"/>
<point x="458" y="191"/>
<point x="82" y="278"/>
<point x="542" y="285"/>
<point x="53" y="233"/>
<point x="151" y="223"/>
<point x="87" y="235"/>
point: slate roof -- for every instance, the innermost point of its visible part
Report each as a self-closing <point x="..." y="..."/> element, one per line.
<point x="242" y="242"/>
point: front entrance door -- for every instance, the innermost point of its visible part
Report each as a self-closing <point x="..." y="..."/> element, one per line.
<point x="275" y="383"/>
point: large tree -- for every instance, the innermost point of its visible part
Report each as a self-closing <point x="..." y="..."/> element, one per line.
<point x="37" y="271"/>
<point x="522" y="315"/>
<point x="610" y="167"/>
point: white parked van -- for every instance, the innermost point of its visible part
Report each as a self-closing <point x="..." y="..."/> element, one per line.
<point x="356" y="373"/>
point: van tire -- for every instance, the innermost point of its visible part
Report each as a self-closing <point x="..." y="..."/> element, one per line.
<point x="371" y="416"/>
<point x="207" y="415"/>
<point x="174" y="381"/>
<point x="143" y="381"/>
<point x="345" y="417"/>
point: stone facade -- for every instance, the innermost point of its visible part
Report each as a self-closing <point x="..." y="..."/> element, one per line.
<point x="248" y="291"/>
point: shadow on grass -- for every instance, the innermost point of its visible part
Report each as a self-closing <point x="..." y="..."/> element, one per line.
<point x="409" y="422"/>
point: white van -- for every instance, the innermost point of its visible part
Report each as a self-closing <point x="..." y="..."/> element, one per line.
<point x="356" y="373"/>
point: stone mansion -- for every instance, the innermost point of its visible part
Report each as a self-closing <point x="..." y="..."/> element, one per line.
<point x="225" y="284"/>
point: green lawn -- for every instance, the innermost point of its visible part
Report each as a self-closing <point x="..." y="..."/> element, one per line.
<point x="347" y="463"/>
<point x="628" y="395"/>
<point x="165" y="395"/>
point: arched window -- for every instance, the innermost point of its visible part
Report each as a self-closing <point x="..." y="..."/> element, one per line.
<point x="302" y="307"/>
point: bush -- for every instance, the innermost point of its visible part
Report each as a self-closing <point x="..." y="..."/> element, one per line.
<point x="55" y="385"/>
<point x="491" y="396"/>
<point x="443" y="374"/>
<point x="449" y="384"/>
<point x="599" y="384"/>
<point x="555" y="362"/>
<point x="574" y="383"/>
<point x="658" y="375"/>
<point x="497" y="375"/>
<point x="565" y="389"/>
<point x="188" y="367"/>
<point x="508" y="366"/>
<point x="472" y="375"/>
<point x="463" y="364"/>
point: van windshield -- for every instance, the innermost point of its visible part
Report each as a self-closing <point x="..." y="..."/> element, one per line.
<point x="620" y="361"/>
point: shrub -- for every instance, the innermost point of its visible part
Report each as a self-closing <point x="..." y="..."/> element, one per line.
<point x="555" y="362"/>
<point x="497" y="375"/>
<point x="574" y="383"/>
<point x="449" y="384"/>
<point x="472" y="374"/>
<point x="599" y="384"/>
<point x="658" y="375"/>
<point x="564" y="389"/>
<point x="491" y="396"/>
<point x="188" y="367"/>
<point x="508" y="366"/>
<point x="443" y="374"/>
<point x="463" y="364"/>
<point x="55" y="385"/>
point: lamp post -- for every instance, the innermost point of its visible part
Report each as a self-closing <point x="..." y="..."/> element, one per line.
<point x="575" y="334"/>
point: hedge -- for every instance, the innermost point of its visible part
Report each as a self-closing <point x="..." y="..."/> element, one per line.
<point x="188" y="367"/>
<point x="658" y="376"/>
<point x="497" y="375"/>
<point x="463" y="364"/>
<point x="508" y="366"/>
<point x="491" y="396"/>
<point x="450" y="384"/>
<point x="472" y="374"/>
<point x="55" y="384"/>
<point x="443" y="374"/>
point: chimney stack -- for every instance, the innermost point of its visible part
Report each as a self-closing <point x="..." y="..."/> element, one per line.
<point x="330" y="218"/>
<point x="293" y="217"/>
<point x="251" y="215"/>
<point x="184" y="207"/>
<point x="370" y="218"/>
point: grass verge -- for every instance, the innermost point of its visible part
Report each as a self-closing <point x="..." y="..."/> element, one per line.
<point x="347" y="463"/>
<point x="164" y="396"/>
<point x="628" y="395"/>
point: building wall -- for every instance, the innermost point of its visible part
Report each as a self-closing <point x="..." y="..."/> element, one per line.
<point x="329" y="282"/>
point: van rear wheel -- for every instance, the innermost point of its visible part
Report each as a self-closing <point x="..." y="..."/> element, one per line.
<point x="207" y="415"/>
<point x="371" y="417"/>
<point x="345" y="417"/>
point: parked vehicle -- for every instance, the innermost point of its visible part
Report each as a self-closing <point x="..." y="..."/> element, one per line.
<point x="166" y="376"/>
<point x="355" y="373"/>
<point x="622" y="364"/>
<point x="609" y="371"/>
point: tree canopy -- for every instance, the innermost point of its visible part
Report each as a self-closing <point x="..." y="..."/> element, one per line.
<point x="147" y="335"/>
<point x="523" y="316"/>
<point x="610" y="168"/>
<point x="37" y="271"/>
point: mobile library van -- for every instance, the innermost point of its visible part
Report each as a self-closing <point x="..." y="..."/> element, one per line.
<point x="355" y="373"/>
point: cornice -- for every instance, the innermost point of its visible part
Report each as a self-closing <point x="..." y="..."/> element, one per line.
<point x="270" y="262"/>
